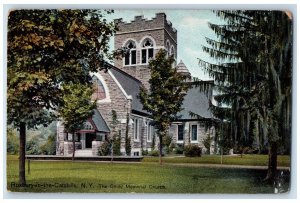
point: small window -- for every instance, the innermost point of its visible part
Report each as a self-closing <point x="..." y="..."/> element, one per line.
<point x="136" y="130"/>
<point x="180" y="133"/>
<point x="149" y="131"/>
<point x="100" y="137"/>
<point x="136" y="153"/>
<point x="172" y="52"/>
<point x="130" y="57"/>
<point x="168" y="48"/>
<point x="194" y="133"/>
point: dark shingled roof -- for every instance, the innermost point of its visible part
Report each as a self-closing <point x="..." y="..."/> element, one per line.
<point x="196" y="101"/>
<point x="131" y="86"/>
<point x="100" y="122"/>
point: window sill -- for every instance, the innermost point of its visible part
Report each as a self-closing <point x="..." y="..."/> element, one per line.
<point x="194" y="142"/>
<point x="179" y="141"/>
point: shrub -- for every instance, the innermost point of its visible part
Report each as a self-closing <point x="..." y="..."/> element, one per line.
<point x="117" y="146"/>
<point x="104" y="149"/>
<point x="128" y="146"/>
<point x="145" y="152"/>
<point x="32" y="146"/>
<point x="179" y="149"/>
<point x="192" y="150"/>
<point x="49" y="147"/>
<point x="154" y="153"/>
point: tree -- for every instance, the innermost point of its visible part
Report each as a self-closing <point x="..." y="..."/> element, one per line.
<point x="116" y="139"/>
<point x="165" y="96"/>
<point x="46" y="48"/>
<point x="253" y="76"/>
<point x="77" y="107"/>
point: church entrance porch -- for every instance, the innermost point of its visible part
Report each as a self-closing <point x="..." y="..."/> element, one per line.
<point x="89" y="138"/>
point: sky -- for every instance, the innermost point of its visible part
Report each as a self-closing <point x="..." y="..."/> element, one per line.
<point x="192" y="28"/>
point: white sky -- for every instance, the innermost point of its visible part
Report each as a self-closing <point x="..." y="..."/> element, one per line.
<point x="191" y="28"/>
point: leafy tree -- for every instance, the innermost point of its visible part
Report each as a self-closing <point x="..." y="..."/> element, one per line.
<point x="76" y="108"/>
<point x="253" y="76"/>
<point x="45" y="49"/>
<point x="165" y="96"/>
<point x="32" y="146"/>
<point x="116" y="139"/>
<point x="127" y="138"/>
<point x="49" y="147"/>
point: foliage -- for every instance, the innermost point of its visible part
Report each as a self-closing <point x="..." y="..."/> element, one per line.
<point x="179" y="149"/>
<point x="49" y="148"/>
<point x="253" y="76"/>
<point x="12" y="146"/>
<point x="77" y="106"/>
<point x="116" y="140"/>
<point x="116" y="145"/>
<point x="154" y="153"/>
<point x="145" y="152"/>
<point x="32" y="146"/>
<point x="207" y="143"/>
<point x="127" y="138"/>
<point x="192" y="150"/>
<point x="164" y="98"/>
<point x="167" y="142"/>
<point x="46" y="48"/>
<point x="128" y="146"/>
<point x="105" y="149"/>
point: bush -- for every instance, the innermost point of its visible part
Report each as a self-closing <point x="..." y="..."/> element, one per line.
<point x="145" y="152"/>
<point x="179" y="149"/>
<point x="32" y="146"/>
<point x="104" y="149"/>
<point x="154" y="153"/>
<point x="49" y="147"/>
<point x="117" y="146"/>
<point x="128" y="146"/>
<point x="192" y="150"/>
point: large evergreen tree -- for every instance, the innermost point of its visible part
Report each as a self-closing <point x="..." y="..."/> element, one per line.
<point x="253" y="76"/>
<point x="45" y="49"/>
<point x="165" y="96"/>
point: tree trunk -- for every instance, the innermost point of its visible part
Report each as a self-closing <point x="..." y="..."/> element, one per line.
<point x="160" y="149"/>
<point x="272" y="166"/>
<point x="73" y="139"/>
<point x="22" y="179"/>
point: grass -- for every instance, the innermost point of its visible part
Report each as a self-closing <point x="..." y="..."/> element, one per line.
<point x="252" y="160"/>
<point x="99" y="177"/>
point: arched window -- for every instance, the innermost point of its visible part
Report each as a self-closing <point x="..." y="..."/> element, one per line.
<point x="99" y="92"/>
<point x="147" y="50"/>
<point x="168" y="48"/>
<point x="130" y="57"/>
<point x="172" y="52"/>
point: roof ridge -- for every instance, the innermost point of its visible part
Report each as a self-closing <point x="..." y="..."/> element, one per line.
<point x="123" y="72"/>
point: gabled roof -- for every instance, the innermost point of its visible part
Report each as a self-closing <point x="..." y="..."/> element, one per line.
<point x="131" y="86"/>
<point x="196" y="101"/>
<point x="99" y="122"/>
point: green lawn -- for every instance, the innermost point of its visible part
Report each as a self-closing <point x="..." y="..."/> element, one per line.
<point x="68" y="176"/>
<point x="253" y="160"/>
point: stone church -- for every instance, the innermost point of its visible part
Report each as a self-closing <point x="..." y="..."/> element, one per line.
<point x="118" y="88"/>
